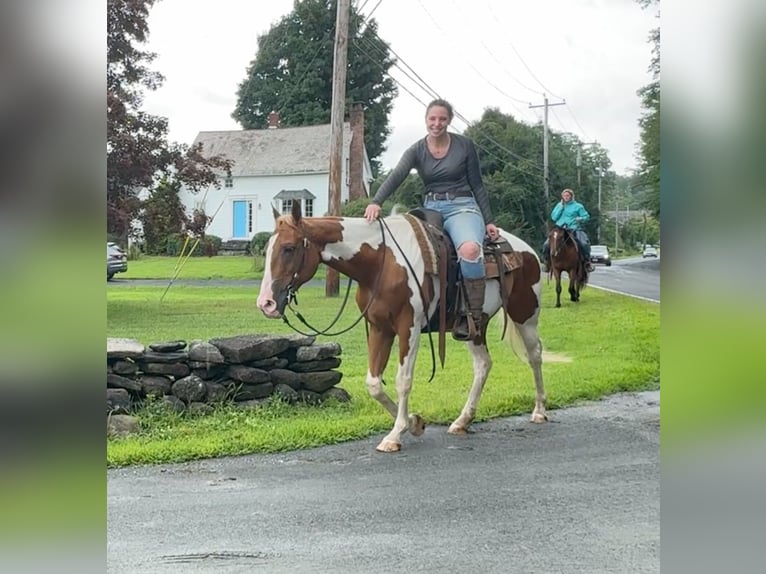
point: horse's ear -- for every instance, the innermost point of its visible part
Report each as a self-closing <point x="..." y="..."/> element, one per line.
<point x="275" y="212"/>
<point x="297" y="210"/>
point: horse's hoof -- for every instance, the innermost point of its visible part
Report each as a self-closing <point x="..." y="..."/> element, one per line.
<point x="417" y="425"/>
<point x="457" y="430"/>
<point x="538" y="418"/>
<point x="388" y="446"/>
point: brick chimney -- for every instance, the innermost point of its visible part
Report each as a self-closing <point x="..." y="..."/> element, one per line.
<point x="356" y="154"/>
<point x="273" y="120"/>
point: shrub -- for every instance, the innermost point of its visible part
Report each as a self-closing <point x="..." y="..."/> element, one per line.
<point x="208" y="246"/>
<point x="258" y="243"/>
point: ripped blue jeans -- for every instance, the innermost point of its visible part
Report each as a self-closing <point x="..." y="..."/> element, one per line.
<point x="463" y="222"/>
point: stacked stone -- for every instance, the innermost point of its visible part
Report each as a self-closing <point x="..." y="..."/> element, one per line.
<point x="245" y="369"/>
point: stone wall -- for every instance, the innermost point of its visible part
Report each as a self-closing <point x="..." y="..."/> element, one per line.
<point x="244" y="369"/>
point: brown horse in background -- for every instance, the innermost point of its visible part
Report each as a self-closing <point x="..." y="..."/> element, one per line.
<point x="565" y="256"/>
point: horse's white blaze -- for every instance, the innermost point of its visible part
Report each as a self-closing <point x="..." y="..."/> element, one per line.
<point x="265" y="299"/>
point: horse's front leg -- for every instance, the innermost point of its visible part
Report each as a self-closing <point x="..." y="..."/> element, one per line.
<point x="378" y="351"/>
<point x="408" y="350"/>
<point x="573" y="295"/>
<point x="482" y="363"/>
<point x="558" y="288"/>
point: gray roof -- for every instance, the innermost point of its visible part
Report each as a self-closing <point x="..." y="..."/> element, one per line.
<point x="280" y="151"/>
<point x="295" y="194"/>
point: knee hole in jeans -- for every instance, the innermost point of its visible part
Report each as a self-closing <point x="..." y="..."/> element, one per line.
<point x="470" y="251"/>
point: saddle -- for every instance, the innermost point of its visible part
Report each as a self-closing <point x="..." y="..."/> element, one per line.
<point x="500" y="260"/>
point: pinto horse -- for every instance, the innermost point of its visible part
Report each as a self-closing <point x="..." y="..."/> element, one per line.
<point x="397" y="295"/>
<point x="565" y="256"/>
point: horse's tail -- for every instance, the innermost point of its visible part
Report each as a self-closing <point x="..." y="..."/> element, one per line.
<point x="512" y="338"/>
<point x="584" y="275"/>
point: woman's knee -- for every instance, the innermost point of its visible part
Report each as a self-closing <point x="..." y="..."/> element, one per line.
<point x="469" y="250"/>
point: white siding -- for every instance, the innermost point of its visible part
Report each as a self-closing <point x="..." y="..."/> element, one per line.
<point x="260" y="190"/>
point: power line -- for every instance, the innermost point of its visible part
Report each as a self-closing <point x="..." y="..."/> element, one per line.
<point x="458" y="115"/>
<point x="515" y="51"/>
<point x="423" y="85"/>
<point x="571" y="113"/>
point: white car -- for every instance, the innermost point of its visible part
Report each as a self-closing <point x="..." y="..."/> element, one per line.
<point x="650" y="251"/>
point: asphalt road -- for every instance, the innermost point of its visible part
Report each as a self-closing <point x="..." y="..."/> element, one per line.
<point x="578" y="495"/>
<point x="635" y="276"/>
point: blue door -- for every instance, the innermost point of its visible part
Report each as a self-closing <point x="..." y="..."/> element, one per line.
<point x="240" y="219"/>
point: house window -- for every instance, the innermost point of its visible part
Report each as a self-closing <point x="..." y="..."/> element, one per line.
<point x="249" y="217"/>
<point x="228" y="182"/>
<point x="308" y="206"/>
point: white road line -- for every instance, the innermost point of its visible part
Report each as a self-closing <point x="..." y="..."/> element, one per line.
<point x="623" y="293"/>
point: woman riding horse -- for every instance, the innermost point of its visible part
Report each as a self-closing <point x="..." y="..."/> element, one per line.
<point x="570" y="214"/>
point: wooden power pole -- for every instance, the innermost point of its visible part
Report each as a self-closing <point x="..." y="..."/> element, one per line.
<point x="546" y="180"/>
<point x="336" y="125"/>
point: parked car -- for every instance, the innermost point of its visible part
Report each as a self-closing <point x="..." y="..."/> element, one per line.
<point x="116" y="260"/>
<point x="650" y="251"/>
<point x="600" y="254"/>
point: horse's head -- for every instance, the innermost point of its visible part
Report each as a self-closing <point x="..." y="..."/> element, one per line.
<point x="558" y="237"/>
<point x="291" y="260"/>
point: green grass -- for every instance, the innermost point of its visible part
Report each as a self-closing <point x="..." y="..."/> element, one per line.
<point x="612" y="341"/>
<point x="237" y="267"/>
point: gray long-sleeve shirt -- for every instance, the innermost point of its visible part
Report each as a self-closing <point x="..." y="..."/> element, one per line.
<point x="458" y="171"/>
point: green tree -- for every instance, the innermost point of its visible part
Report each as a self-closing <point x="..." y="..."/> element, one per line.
<point x="293" y="68"/>
<point x="649" y="146"/>
<point x="162" y="215"/>
<point x="510" y="153"/>
<point x="139" y="155"/>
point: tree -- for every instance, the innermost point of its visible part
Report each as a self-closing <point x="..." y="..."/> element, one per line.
<point x="510" y="154"/>
<point x="163" y="215"/>
<point x="138" y="153"/>
<point x="292" y="74"/>
<point x="649" y="146"/>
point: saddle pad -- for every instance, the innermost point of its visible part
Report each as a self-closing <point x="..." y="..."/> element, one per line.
<point x="430" y="258"/>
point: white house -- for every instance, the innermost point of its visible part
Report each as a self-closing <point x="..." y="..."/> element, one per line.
<point x="277" y="166"/>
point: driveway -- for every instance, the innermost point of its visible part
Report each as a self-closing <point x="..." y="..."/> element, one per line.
<point x="578" y="495"/>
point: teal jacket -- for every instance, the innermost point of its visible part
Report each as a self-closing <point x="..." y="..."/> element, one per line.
<point x="565" y="215"/>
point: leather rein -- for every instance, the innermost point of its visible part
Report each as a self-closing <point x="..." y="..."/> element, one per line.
<point x="292" y="297"/>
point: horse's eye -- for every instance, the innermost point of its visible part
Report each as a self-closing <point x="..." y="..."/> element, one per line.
<point x="288" y="249"/>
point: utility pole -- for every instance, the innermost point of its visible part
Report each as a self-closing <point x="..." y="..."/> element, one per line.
<point x="336" y="125"/>
<point x="598" y="226"/>
<point x="546" y="105"/>
<point x="600" y="173"/>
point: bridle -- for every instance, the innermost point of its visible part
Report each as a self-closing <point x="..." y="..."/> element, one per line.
<point x="558" y="239"/>
<point x="293" y="291"/>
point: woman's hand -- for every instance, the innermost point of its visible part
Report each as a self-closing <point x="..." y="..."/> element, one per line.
<point x="492" y="231"/>
<point x="372" y="212"/>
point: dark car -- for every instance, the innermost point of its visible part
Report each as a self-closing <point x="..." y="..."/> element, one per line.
<point x="600" y="254"/>
<point x="116" y="260"/>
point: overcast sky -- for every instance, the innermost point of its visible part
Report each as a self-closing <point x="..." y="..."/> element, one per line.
<point x="591" y="54"/>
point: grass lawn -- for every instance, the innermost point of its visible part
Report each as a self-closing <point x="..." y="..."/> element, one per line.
<point x="612" y="343"/>
<point x="219" y="267"/>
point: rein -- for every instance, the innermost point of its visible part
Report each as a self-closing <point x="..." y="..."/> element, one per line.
<point x="422" y="298"/>
<point x="292" y="296"/>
